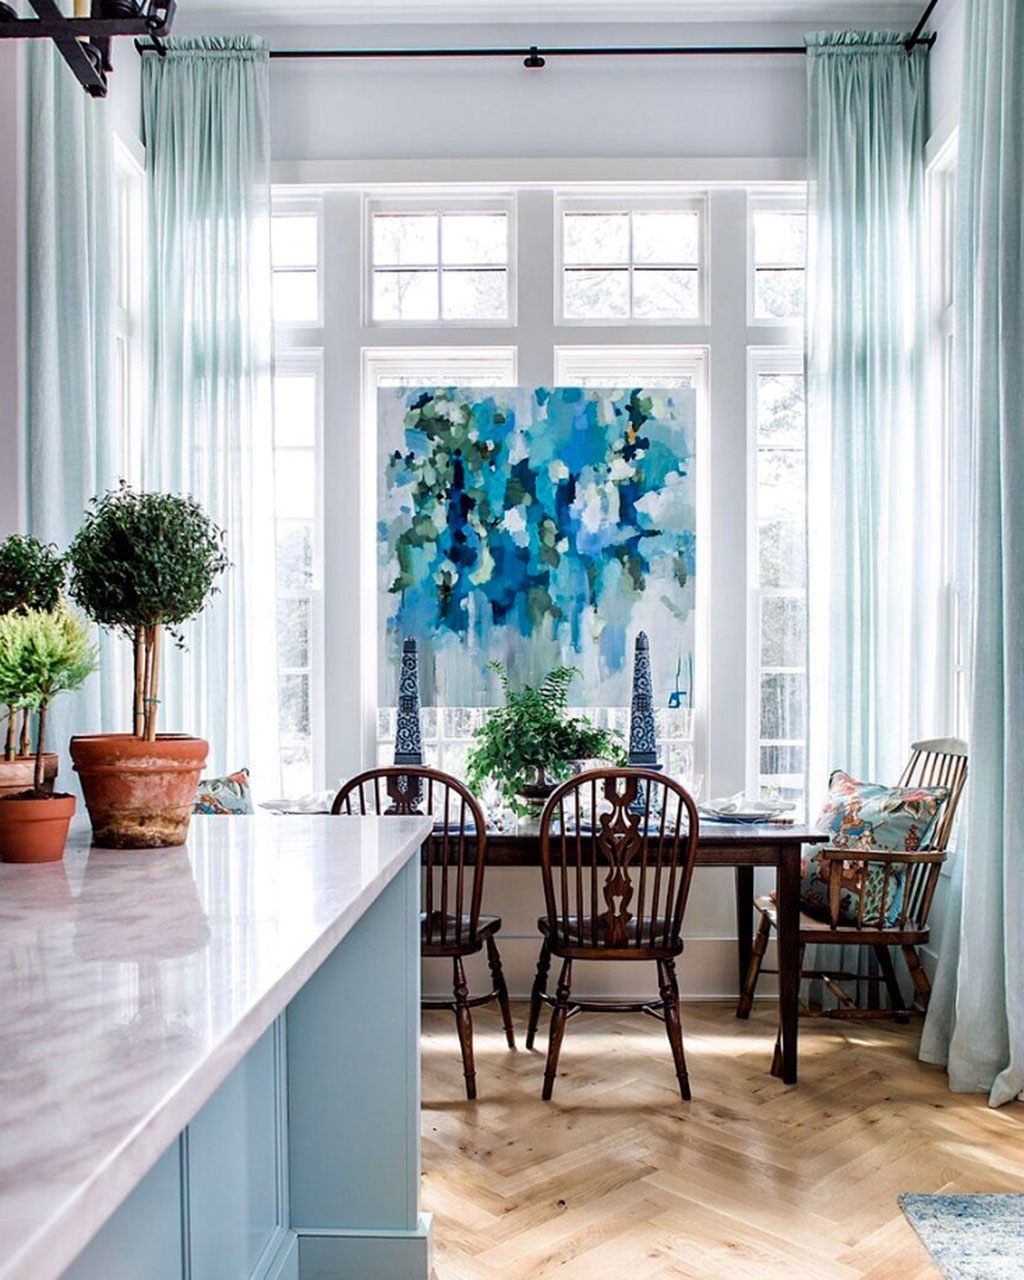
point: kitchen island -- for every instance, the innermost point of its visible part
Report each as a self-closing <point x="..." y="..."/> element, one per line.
<point x="209" y="1056"/>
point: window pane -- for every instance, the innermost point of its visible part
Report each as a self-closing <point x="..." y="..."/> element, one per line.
<point x="780" y="239"/>
<point x="295" y="409"/>
<point x="474" y="295"/>
<point x="294" y="240"/>
<point x="294" y="483"/>
<point x="780" y="483"/>
<point x="778" y="762"/>
<point x="782" y="553"/>
<point x="597" y="238"/>
<point x="294" y="709"/>
<point x="474" y="239"/>
<point x="596" y="295"/>
<point x="402" y="239"/>
<point x="783" y="631"/>
<point x="296" y="297"/>
<point x="293" y="633"/>
<point x="778" y="295"/>
<point x="671" y="295"/>
<point x="405" y="295"/>
<point x="783" y="699"/>
<point x="780" y="410"/>
<point x="666" y="237"/>
<point x="295" y="555"/>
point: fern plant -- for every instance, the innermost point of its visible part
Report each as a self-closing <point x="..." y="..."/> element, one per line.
<point x="532" y="742"/>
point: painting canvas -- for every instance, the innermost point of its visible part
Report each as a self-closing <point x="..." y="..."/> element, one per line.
<point x="538" y="527"/>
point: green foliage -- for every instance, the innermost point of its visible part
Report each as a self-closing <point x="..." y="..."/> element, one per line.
<point x="31" y="574"/>
<point x="43" y="652"/>
<point x="145" y="560"/>
<point x="533" y="737"/>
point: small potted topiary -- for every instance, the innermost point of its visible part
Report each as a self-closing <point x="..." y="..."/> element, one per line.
<point x="532" y="743"/>
<point x="31" y="577"/>
<point x="143" y="564"/>
<point x="42" y="653"/>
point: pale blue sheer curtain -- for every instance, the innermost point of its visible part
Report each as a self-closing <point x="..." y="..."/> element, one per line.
<point x="206" y="129"/>
<point x="73" y="446"/>
<point x="975" y="1022"/>
<point x="875" y="460"/>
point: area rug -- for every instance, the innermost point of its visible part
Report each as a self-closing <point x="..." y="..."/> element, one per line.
<point x="971" y="1237"/>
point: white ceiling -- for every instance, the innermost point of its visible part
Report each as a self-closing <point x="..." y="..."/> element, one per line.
<point x="305" y="12"/>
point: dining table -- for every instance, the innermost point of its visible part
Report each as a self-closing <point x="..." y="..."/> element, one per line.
<point x="742" y="846"/>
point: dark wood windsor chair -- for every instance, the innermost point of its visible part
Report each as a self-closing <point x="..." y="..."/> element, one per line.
<point x="617" y="853"/>
<point x="455" y="857"/>
<point x="940" y="762"/>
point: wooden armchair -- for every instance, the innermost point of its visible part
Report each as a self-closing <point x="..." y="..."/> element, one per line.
<point x="940" y="762"/>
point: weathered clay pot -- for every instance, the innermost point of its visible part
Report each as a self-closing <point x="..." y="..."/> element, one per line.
<point x="35" y="829"/>
<point x="20" y="775"/>
<point x="139" y="794"/>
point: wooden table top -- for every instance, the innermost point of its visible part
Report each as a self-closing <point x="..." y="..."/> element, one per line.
<point x="720" y="844"/>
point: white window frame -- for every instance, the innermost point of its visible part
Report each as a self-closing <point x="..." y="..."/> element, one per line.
<point x="767" y="360"/>
<point x="288" y="205"/>
<point x="770" y="202"/>
<point x="684" y="202"/>
<point x="130" y="323"/>
<point x="440" y="204"/>
<point x="309" y="362"/>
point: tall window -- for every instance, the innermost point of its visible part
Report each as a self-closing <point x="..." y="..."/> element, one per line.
<point x="295" y="240"/>
<point x="129" y="336"/>
<point x="779" y="573"/>
<point x="440" y="266"/>
<point x="637" y="263"/>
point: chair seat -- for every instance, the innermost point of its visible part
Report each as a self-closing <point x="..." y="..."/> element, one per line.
<point x="450" y="940"/>
<point x="581" y="939"/>
<point x="815" y="930"/>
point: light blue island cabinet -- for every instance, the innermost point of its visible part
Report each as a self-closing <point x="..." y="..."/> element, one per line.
<point x="209" y="1057"/>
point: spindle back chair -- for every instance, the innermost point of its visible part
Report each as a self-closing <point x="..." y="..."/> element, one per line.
<point x="454" y="862"/>
<point x="899" y="915"/>
<point x="617" y="855"/>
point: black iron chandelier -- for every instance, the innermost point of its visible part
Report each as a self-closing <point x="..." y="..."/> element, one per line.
<point x="84" y="38"/>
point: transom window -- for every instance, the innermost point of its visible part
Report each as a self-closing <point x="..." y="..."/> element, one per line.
<point x="440" y="266"/>
<point x="295" y="254"/>
<point x="631" y="264"/>
<point x="778" y="263"/>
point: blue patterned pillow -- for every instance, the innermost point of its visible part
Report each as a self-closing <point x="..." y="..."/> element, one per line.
<point x="224" y="795"/>
<point x="863" y="816"/>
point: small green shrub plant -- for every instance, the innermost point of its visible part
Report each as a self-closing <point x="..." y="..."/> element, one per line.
<point x="31" y="577"/>
<point x="533" y="740"/>
<point x="143" y="563"/>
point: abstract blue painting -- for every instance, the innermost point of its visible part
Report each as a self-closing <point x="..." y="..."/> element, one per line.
<point x="539" y="527"/>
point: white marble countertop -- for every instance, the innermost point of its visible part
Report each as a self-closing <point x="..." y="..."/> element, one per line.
<point x="131" y="983"/>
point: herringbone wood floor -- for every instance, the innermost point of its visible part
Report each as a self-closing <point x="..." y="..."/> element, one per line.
<point x="617" y="1179"/>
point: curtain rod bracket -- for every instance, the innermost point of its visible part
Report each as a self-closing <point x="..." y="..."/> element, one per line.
<point x="533" y="60"/>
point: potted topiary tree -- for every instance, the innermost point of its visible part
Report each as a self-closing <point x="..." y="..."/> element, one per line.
<point x="532" y="743"/>
<point x="143" y="564"/>
<point x="42" y="653"/>
<point x="31" y="577"/>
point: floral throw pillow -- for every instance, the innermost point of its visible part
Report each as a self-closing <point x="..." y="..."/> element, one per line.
<point x="230" y="794"/>
<point x="863" y="816"/>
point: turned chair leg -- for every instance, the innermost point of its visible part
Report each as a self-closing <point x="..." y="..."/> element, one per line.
<point x="500" y="989"/>
<point x="922" y="984"/>
<point x="464" y="1023"/>
<point x="754" y="968"/>
<point x="669" y="992"/>
<point x="540" y="986"/>
<point x="558" y="1020"/>
<point x="897" y="1008"/>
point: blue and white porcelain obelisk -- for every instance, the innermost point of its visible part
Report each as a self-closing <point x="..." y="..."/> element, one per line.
<point x="643" y="742"/>
<point x="408" y="738"/>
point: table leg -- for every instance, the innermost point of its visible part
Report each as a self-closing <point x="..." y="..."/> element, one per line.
<point x="787" y="882"/>
<point x="744" y="918"/>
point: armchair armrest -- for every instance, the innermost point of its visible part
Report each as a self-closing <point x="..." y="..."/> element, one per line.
<point x="835" y="859"/>
<point x="890" y="856"/>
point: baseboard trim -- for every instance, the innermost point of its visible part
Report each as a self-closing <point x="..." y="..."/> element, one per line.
<point x="328" y="1254"/>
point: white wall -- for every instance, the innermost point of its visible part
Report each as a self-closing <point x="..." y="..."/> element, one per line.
<point x="945" y="70"/>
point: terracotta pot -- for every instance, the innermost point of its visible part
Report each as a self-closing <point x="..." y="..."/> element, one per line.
<point x="20" y="775"/>
<point x="139" y="794"/>
<point x="35" y="830"/>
